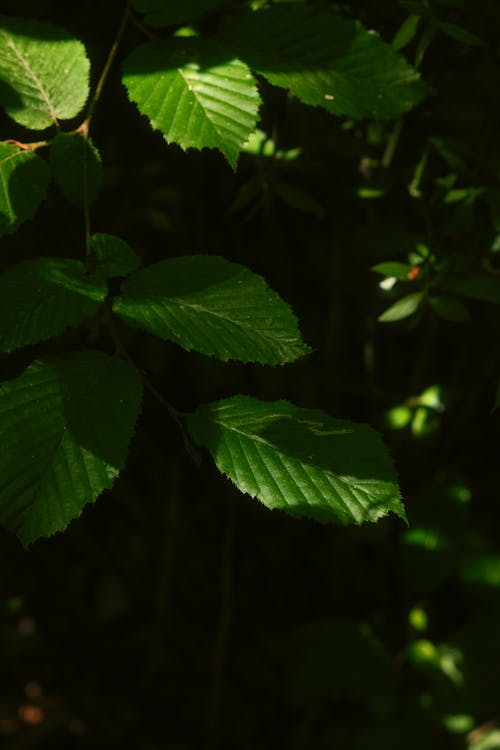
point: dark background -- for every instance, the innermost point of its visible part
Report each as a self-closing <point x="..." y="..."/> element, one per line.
<point x="177" y="613"/>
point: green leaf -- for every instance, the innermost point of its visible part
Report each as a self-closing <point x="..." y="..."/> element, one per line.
<point x="40" y="298"/>
<point x="44" y="73"/>
<point x="476" y="286"/>
<point x="403" y="308"/>
<point x="325" y="60"/>
<point x="394" y="270"/>
<point x="167" y="13"/>
<point x="461" y="35"/>
<point x="298" y="198"/>
<point x="196" y="94"/>
<point x="218" y="308"/>
<point x="65" y="427"/>
<point x="406" y="32"/>
<point x="24" y="179"/>
<point x="76" y="167"/>
<point x="301" y="461"/>
<point x="450" y="309"/>
<point x="111" y="256"/>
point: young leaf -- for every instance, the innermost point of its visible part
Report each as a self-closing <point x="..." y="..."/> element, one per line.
<point x="167" y="13"/>
<point x="301" y="461"/>
<point x="196" y="94"/>
<point x="112" y="256"/>
<point x="44" y="73"/>
<point x="394" y="269"/>
<point x="40" y="298"/>
<point x="218" y="308"/>
<point x="76" y="167"/>
<point x="65" y="427"/>
<point x="24" y="178"/>
<point x="325" y="60"/>
<point x="403" y="308"/>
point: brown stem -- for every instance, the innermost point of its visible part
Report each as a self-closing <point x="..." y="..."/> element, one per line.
<point x="28" y="146"/>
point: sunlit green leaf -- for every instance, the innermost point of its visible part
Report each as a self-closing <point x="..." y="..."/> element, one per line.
<point x="194" y="92"/>
<point x="301" y="461"/>
<point x="403" y="308"/>
<point x="44" y="73"/>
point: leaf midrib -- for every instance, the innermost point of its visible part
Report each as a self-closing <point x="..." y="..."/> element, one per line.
<point x="31" y="73"/>
<point x="199" y="308"/>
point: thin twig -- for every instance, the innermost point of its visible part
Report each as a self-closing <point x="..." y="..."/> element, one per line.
<point x="84" y="128"/>
<point x="177" y="416"/>
<point x="107" y="65"/>
<point x="28" y="146"/>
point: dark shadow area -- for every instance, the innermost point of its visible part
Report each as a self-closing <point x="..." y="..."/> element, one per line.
<point x="179" y="614"/>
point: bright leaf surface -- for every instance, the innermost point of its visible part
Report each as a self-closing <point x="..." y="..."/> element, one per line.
<point x="301" y="461"/>
<point x="325" y="60"/>
<point x="399" y="271"/>
<point x="76" y="167"/>
<point x="65" y="427"/>
<point x="44" y="73"/>
<point x="24" y="178"/>
<point x="166" y="13"/>
<point x="112" y="256"/>
<point x="403" y="308"/>
<point x="216" y="307"/>
<point x="40" y="298"/>
<point x="196" y="94"/>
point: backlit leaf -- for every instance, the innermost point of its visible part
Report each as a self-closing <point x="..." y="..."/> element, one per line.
<point x="44" y="73"/>
<point x="301" y="461"/>
<point x="195" y="93"/>
<point x="403" y="308"/>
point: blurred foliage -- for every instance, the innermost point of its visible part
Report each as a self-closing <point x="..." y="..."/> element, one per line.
<point x="228" y="626"/>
